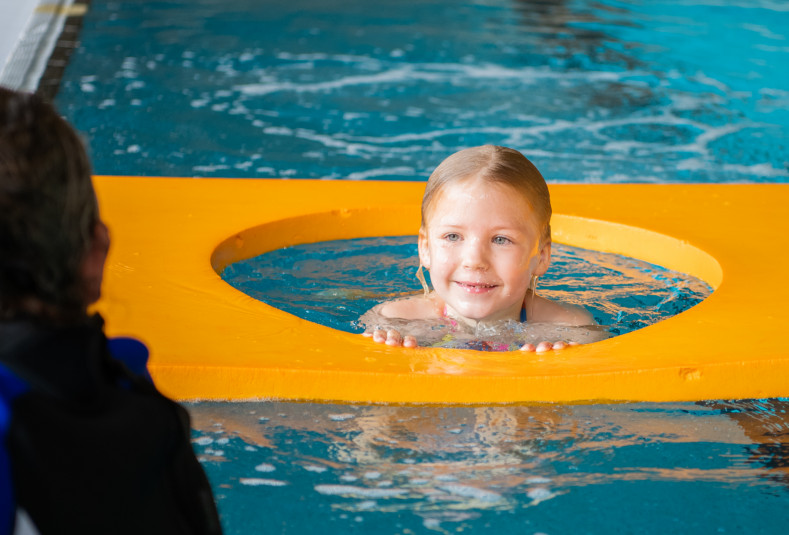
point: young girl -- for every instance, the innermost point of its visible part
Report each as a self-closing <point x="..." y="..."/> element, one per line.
<point x="485" y="239"/>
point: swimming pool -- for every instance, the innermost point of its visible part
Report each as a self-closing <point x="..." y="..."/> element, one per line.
<point x="592" y="92"/>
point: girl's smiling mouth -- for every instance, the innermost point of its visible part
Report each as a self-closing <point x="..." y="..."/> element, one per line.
<point x="475" y="287"/>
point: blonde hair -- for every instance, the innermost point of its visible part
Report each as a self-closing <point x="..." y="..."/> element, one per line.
<point x="496" y="164"/>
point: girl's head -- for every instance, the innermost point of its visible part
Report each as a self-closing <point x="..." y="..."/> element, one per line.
<point x="493" y="164"/>
<point x="48" y="211"/>
<point x="485" y="232"/>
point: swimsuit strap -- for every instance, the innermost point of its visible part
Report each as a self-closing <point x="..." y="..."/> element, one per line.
<point x="452" y="322"/>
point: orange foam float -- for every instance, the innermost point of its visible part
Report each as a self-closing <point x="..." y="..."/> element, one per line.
<point x="173" y="236"/>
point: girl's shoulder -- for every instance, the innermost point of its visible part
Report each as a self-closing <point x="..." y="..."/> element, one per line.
<point x="413" y="308"/>
<point x="547" y="311"/>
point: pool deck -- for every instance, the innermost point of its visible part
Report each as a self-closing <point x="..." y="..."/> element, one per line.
<point x="29" y="32"/>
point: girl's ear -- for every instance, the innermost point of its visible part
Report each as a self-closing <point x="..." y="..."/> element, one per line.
<point x="424" y="250"/>
<point x="545" y="258"/>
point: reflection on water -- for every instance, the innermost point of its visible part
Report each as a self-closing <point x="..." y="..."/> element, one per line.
<point x="764" y="423"/>
<point x="423" y="468"/>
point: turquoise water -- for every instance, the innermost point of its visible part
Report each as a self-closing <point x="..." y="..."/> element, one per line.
<point x="591" y="91"/>
<point x="606" y="91"/>
<point x="707" y="468"/>
<point x="334" y="283"/>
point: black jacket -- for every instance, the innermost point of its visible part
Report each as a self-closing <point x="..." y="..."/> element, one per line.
<point x="88" y="446"/>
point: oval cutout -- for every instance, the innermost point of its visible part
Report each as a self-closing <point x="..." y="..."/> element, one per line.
<point x="603" y="236"/>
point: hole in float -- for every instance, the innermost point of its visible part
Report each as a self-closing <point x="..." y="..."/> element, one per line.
<point x="627" y="277"/>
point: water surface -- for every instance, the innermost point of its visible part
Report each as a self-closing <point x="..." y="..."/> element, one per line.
<point x="663" y="91"/>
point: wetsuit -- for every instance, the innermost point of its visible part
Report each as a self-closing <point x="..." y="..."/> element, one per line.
<point x="87" y="443"/>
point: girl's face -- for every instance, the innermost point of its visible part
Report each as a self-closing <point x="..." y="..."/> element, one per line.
<point x="481" y="244"/>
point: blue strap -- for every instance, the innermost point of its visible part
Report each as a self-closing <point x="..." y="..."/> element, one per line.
<point x="132" y="353"/>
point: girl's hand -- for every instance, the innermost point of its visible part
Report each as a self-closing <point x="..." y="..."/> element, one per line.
<point x="542" y="347"/>
<point x="391" y="337"/>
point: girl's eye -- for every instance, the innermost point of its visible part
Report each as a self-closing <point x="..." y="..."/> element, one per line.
<point x="501" y="240"/>
<point x="452" y="236"/>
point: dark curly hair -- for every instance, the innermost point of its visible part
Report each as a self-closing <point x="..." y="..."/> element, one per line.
<point x="47" y="209"/>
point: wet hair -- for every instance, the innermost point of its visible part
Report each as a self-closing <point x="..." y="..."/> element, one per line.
<point x="495" y="164"/>
<point x="48" y="209"/>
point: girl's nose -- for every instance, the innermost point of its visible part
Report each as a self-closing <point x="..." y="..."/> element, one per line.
<point x="474" y="255"/>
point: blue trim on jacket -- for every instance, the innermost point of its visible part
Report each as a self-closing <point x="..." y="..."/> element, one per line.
<point x="11" y="387"/>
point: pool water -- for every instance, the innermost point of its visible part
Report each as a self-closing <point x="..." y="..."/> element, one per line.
<point x="334" y="283"/>
<point x="659" y="91"/>
<point x="705" y="468"/>
<point x="665" y="91"/>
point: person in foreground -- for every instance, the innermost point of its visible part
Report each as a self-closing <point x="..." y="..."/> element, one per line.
<point x="485" y="239"/>
<point x="87" y="443"/>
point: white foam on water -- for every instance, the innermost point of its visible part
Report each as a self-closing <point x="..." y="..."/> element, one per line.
<point x="367" y="504"/>
<point x="454" y="73"/>
<point x="759" y="169"/>
<point x="540" y="494"/>
<point x="259" y="482"/>
<point x="209" y="168"/>
<point x="265" y="467"/>
<point x="358" y="492"/>
<point x="390" y="76"/>
<point x="385" y="171"/>
<point x="466" y="491"/>
<point x="340" y="58"/>
<point x="315" y="468"/>
<point x="432" y="523"/>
